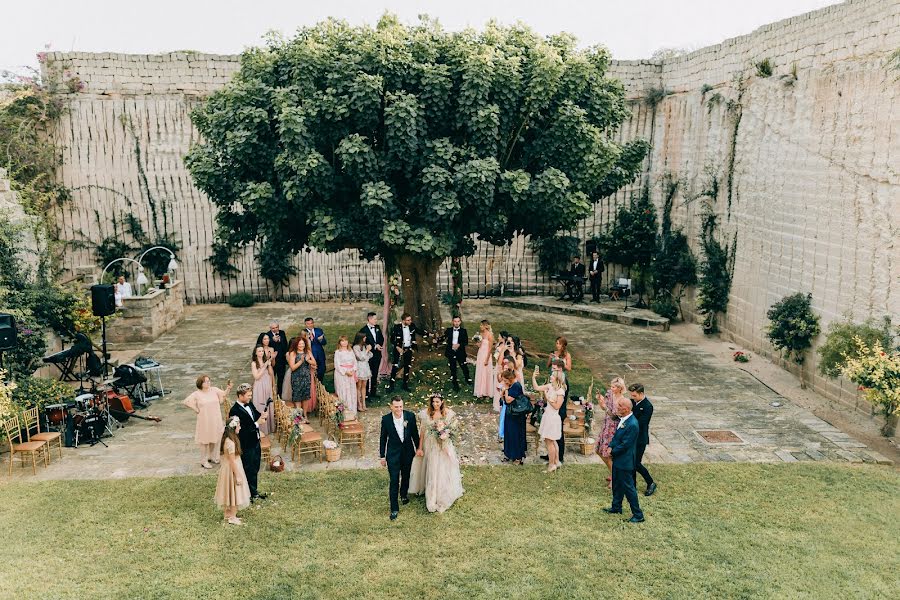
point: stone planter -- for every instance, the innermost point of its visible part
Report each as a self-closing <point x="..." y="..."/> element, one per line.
<point x="145" y="318"/>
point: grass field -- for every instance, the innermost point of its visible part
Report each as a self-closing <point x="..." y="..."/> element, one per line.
<point x="712" y="531"/>
<point x="430" y="371"/>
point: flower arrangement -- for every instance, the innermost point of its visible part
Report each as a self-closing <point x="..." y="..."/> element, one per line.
<point x="339" y="415"/>
<point x="296" y="427"/>
<point x="6" y="395"/>
<point x="588" y="414"/>
<point x="445" y="429"/>
<point x="476" y="338"/>
<point x="741" y="357"/>
<point x="329" y="444"/>
<point x="877" y="373"/>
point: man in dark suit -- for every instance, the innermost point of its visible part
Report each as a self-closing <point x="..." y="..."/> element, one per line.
<point x="399" y="444"/>
<point x="595" y="272"/>
<point x="622" y="449"/>
<point x="375" y="339"/>
<point x="457" y="340"/>
<point x="643" y="412"/>
<point x="575" y="283"/>
<point x="250" y="418"/>
<point x="403" y="340"/>
<point x="277" y="341"/>
<point x="317" y="344"/>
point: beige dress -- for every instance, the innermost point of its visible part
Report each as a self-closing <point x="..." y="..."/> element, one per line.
<point x="209" y="417"/>
<point x="436" y="474"/>
<point x="228" y="493"/>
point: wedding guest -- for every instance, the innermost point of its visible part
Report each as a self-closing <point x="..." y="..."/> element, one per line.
<point x="232" y="489"/>
<point x="317" y="344"/>
<point x="302" y="366"/>
<point x="397" y="446"/>
<point x="345" y="377"/>
<point x="622" y="450"/>
<point x="515" y="444"/>
<point x="504" y="345"/>
<point x="506" y="364"/>
<point x="521" y="360"/>
<point x="362" y="351"/>
<point x="561" y="360"/>
<point x="484" y="367"/>
<point x="278" y="341"/>
<point x="206" y="402"/>
<point x="436" y="471"/>
<point x="261" y="369"/>
<point x="457" y="340"/>
<point x="643" y="412"/>
<point x="250" y="422"/>
<point x="615" y="392"/>
<point x="551" y="423"/>
<point x="375" y="341"/>
<point x="403" y="339"/>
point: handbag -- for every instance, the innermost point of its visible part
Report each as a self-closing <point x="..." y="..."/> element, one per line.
<point x="520" y="406"/>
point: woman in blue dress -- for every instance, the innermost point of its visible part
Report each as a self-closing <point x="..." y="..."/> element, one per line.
<point x="514" y="443"/>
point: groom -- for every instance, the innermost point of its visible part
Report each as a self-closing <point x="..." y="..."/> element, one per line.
<point x="399" y="443"/>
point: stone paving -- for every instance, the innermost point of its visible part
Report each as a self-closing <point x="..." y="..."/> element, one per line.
<point x="690" y="390"/>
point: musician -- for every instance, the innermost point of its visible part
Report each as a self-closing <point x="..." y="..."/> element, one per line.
<point x="595" y="271"/>
<point x="122" y="290"/>
<point x="575" y="279"/>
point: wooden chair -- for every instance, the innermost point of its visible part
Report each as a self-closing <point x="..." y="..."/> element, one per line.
<point x="574" y="430"/>
<point x="16" y="446"/>
<point x="310" y="442"/>
<point x="265" y="449"/>
<point x="53" y="439"/>
<point x="352" y="432"/>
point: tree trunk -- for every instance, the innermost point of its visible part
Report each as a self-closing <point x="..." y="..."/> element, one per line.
<point x="418" y="279"/>
<point x="385" y="368"/>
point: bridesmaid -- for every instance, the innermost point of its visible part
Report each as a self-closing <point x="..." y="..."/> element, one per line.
<point x="484" y="369"/>
<point x="615" y="392"/>
<point x="345" y="377"/>
<point x="271" y="354"/>
<point x="514" y="442"/>
<point x="363" y="353"/>
<point x="263" y="376"/>
<point x="207" y="403"/>
<point x="232" y="489"/>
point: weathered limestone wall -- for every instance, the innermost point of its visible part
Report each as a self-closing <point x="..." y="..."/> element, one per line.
<point x="812" y="165"/>
<point x="145" y="318"/>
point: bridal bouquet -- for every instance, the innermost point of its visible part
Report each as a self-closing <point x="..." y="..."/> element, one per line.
<point x="445" y="429"/>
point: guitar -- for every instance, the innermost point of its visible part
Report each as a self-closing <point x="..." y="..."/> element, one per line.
<point x="120" y="406"/>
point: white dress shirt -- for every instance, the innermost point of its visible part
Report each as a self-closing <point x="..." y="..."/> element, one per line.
<point x="250" y="412"/>
<point x="398" y="425"/>
<point x="622" y="422"/>
<point x="407" y="337"/>
<point x="455" y="336"/>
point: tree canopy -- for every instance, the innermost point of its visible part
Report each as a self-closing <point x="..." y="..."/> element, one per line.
<point x="408" y="143"/>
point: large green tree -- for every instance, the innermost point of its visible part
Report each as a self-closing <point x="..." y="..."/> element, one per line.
<point x="407" y="143"/>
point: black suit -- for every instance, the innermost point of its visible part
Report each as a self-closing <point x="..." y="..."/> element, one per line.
<point x="249" y="436"/>
<point x="595" y="265"/>
<point x="403" y="359"/>
<point x="457" y="357"/>
<point x="575" y="285"/>
<point x="281" y="347"/>
<point x="622" y="449"/>
<point x="375" y="361"/>
<point x="398" y="453"/>
<point x="643" y="412"/>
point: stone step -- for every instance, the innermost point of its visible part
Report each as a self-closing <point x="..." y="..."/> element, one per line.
<point x="614" y="312"/>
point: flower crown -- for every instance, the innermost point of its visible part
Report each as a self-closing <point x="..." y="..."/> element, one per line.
<point x="233" y="422"/>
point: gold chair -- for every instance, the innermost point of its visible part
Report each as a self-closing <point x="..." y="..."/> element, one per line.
<point x="574" y="430"/>
<point x="310" y="442"/>
<point x="17" y="446"/>
<point x="352" y="432"/>
<point x="53" y="439"/>
<point x="265" y="449"/>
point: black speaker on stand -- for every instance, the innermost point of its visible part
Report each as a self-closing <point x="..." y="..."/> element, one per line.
<point x="8" y="334"/>
<point x="103" y="304"/>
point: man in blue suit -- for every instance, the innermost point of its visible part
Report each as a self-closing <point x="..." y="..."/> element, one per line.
<point x="622" y="448"/>
<point x="317" y="345"/>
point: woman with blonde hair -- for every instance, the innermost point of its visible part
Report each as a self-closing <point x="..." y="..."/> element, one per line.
<point x="207" y="402"/>
<point x="485" y="384"/>
<point x="551" y="423"/>
<point x="232" y="489"/>
<point x="363" y="354"/>
<point x="345" y="377"/>
<point x="615" y="392"/>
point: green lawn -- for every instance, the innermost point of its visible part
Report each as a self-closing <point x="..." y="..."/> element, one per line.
<point x="430" y="371"/>
<point x="712" y="531"/>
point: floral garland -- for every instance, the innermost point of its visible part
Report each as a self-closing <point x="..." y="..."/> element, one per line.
<point x="588" y="415"/>
<point x="339" y="415"/>
<point x="296" y="428"/>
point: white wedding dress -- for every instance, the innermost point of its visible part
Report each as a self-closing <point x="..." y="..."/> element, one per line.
<point x="437" y="473"/>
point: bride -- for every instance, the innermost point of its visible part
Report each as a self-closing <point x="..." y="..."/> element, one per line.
<point x="437" y="472"/>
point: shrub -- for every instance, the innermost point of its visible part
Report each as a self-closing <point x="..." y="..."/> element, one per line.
<point x="554" y="253"/>
<point x="840" y="343"/>
<point x="40" y="392"/>
<point x="716" y="271"/>
<point x="877" y="373"/>
<point x="793" y="325"/>
<point x="241" y="300"/>
<point x="765" y="68"/>
<point x="31" y="346"/>
<point x="665" y="306"/>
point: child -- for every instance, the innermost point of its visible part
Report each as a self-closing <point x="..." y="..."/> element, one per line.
<point x="232" y="490"/>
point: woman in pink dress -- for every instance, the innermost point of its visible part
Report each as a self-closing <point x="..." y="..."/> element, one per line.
<point x="610" y="421"/>
<point x="345" y="377"/>
<point x="232" y="489"/>
<point x="263" y="376"/>
<point x="207" y="403"/>
<point x="485" y="384"/>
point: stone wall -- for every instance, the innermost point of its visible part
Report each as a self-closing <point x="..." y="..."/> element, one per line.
<point x="814" y="192"/>
<point x="145" y="318"/>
